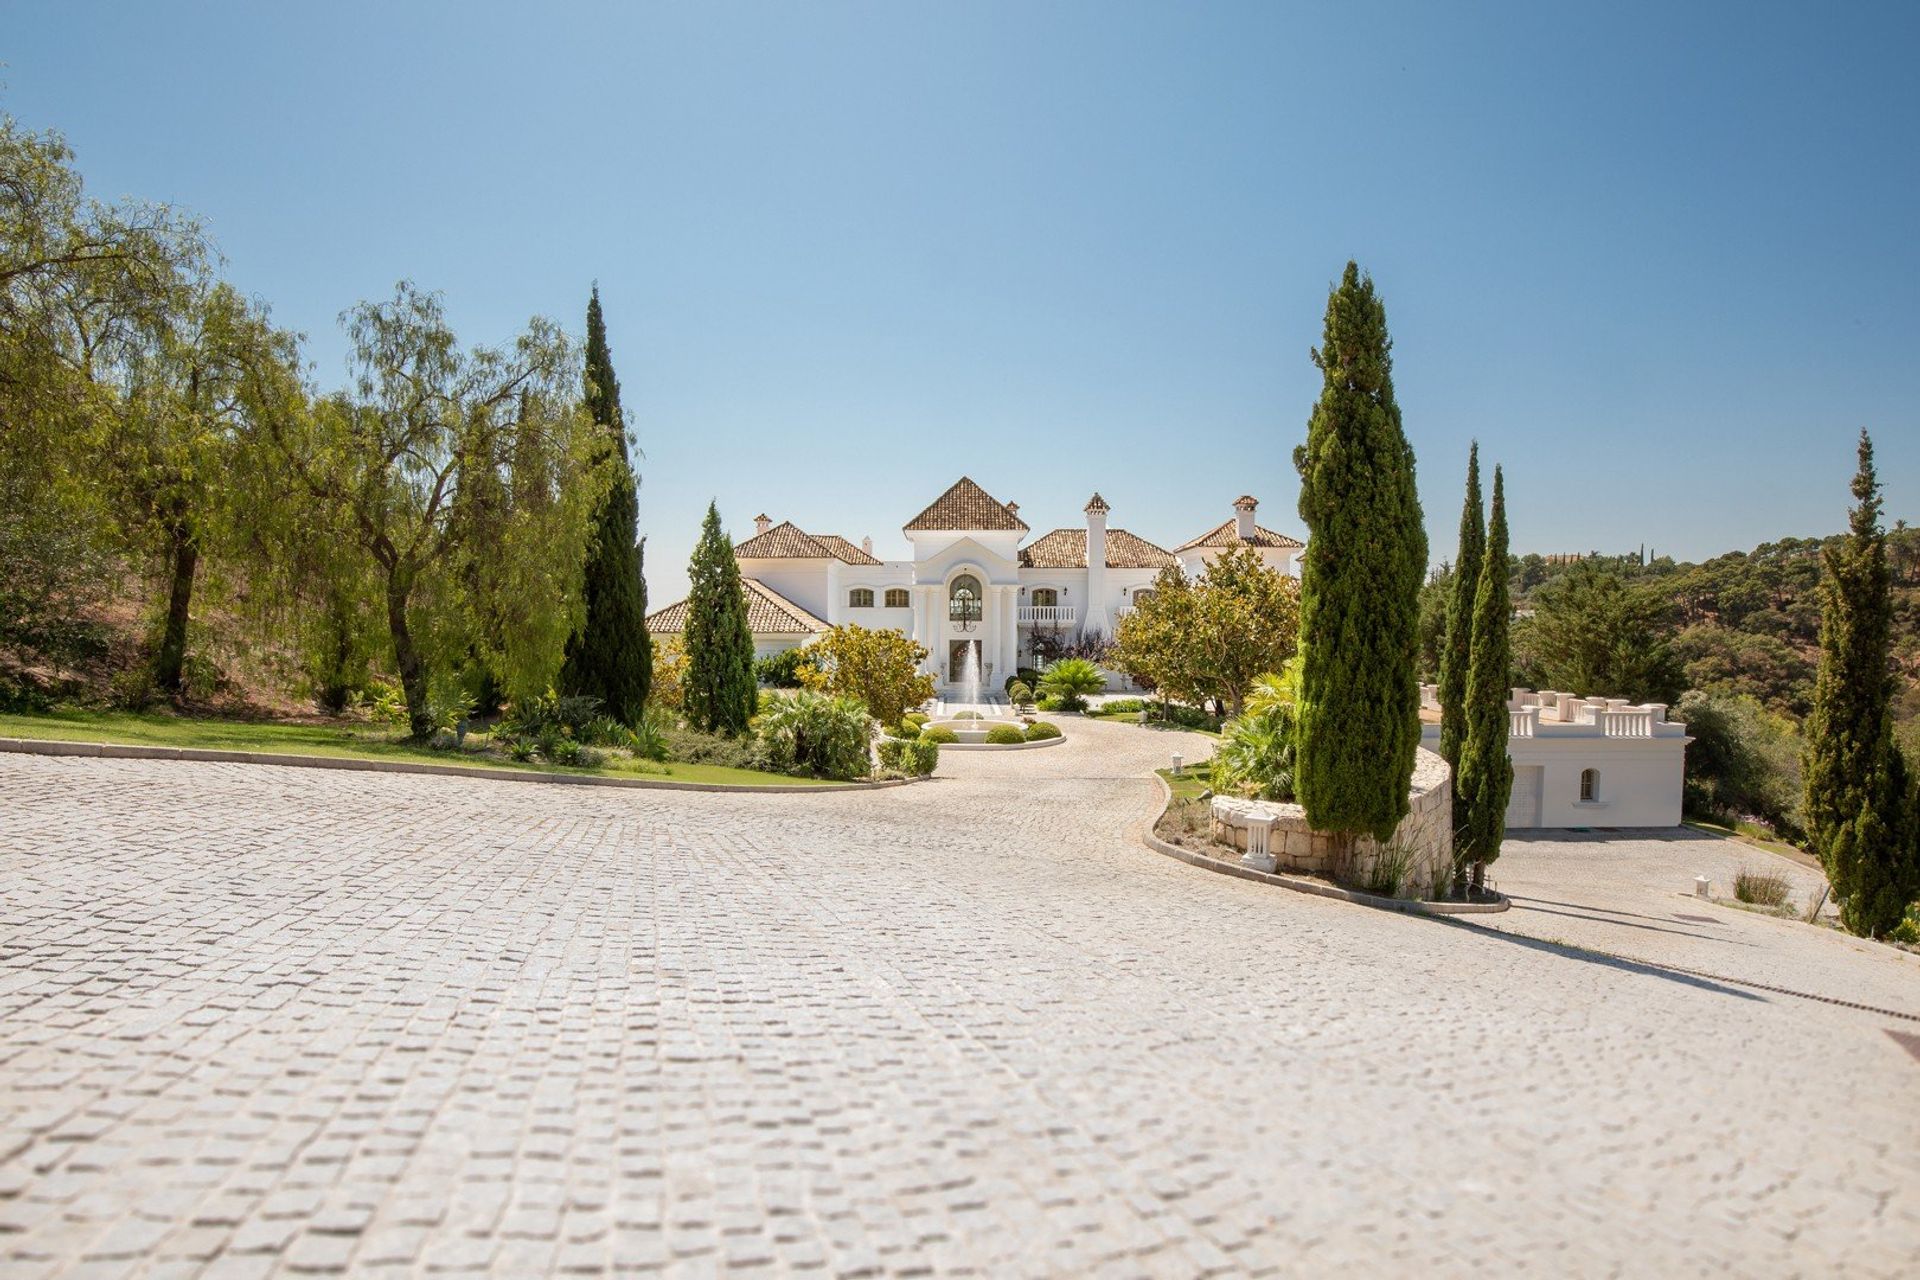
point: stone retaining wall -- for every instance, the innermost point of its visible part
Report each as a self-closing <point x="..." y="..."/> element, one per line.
<point x="1425" y="834"/>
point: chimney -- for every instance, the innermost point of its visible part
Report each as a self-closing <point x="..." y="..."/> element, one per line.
<point x="1094" y="625"/>
<point x="761" y="523"/>
<point x="1013" y="509"/>
<point x="1243" y="507"/>
<point x="866" y="544"/>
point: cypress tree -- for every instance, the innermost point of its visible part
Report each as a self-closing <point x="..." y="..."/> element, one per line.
<point x="1485" y="777"/>
<point x="611" y="656"/>
<point x="1457" y="646"/>
<point x="1360" y="587"/>
<point x="1856" y="782"/>
<point x="718" y="689"/>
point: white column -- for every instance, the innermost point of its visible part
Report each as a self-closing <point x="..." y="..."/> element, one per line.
<point x="1010" y="635"/>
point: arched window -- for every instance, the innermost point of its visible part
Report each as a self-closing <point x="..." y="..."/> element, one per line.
<point x="1589" y="786"/>
<point x="897" y="598"/>
<point x="1045" y="597"/>
<point x="1143" y="595"/>
<point x="860" y="598"/>
<point x="963" y="599"/>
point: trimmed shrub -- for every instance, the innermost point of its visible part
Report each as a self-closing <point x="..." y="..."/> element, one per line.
<point x="1040" y="729"/>
<point x="1121" y="706"/>
<point x="1047" y="702"/>
<point x="1019" y="694"/>
<point x="938" y="733"/>
<point x="813" y="733"/>
<point x="914" y="759"/>
<point x="1005" y="735"/>
<point x="914" y="718"/>
<point x="1029" y="676"/>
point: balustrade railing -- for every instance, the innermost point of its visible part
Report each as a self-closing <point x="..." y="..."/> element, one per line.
<point x="1055" y="615"/>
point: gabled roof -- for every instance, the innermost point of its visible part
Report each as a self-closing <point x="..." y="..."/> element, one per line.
<point x="1067" y="549"/>
<point x="848" y="552"/>
<point x="768" y="614"/>
<point x="966" y="506"/>
<point x="1227" y="534"/>
<point x="785" y="541"/>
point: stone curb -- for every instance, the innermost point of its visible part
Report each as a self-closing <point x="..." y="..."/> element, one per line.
<point x="128" y="751"/>
<point x="1315" y="887"/>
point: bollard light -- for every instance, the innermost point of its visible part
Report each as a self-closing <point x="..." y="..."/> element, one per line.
<point x="1700" y="886"/>
<point x="1176" y="764"/>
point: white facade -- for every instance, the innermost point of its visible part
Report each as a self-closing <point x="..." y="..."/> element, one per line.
<point x="976" y="580"/>
<point x="1588" y="762"/>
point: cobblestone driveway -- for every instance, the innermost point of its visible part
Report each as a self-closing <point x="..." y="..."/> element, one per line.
<point x="271" y="1021"/>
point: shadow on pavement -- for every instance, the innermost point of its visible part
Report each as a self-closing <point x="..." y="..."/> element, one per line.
<point x="1572" y="952"/>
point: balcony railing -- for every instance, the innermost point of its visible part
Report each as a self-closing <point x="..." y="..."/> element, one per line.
<point x="1047" y="615"/>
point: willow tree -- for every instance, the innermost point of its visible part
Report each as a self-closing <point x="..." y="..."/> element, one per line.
<point x="1858" y="807"/>
<point x="1457" y="645"/>
<point x="390" y="458"/>
<point x="1360" y="587"/>
<point x="718" y="688"/>
<point x="610" y="658"/>
<point x="1485" y="777"/>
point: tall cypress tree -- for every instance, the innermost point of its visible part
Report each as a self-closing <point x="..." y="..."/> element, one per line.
<point x="718" y="689"/>
<point x="611" y="657"/>
<point x="1360" y="587"/>
<point x="1856" y="782"/>
<point x="1485" y="777"/>
<point x="1457" y="647"/>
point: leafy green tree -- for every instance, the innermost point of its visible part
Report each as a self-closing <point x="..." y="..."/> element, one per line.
<point x="83" y="286"/>
<point x="1435" y="594"/>
<point x="880" y="668"/>
<point x="1857" y="788"/>
<point x="390" y="459"/>
<point x="718" y="689"/>
<point x="1743" y="760"/>
<point x="1596" y="634"/>
<point x="1360" y="591"/>
<point x="1456" y="655"/>
<point x="1485" y="772"/>
<point x="610" y="658"/>
<point x="1213" y="638"/>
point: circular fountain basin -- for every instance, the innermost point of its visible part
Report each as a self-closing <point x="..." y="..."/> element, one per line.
<point x="973" y="733"/>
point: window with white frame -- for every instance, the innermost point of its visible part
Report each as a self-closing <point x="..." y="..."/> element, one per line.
<point x="1589" y="786"/>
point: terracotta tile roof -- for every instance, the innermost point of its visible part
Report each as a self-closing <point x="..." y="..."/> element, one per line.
<point x="1227" y="535"/>
<point x="847" y="552"/>
<point x="966" y="506"/>
<point x="785" y="541"/>
<point x="1067" y="549"/>
<point x="768" y="614"/>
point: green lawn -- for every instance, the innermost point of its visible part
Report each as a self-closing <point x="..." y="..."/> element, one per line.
<point x="369" y="742"/>
<point x="1133" y="717"/>
<point x="1192" y="779"/>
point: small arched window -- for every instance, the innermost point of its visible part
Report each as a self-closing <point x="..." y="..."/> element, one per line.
<point x="897" y="598"/>
<point x="1143" y="595"/>
<point x="860" y="598"/>
<point x="1589" y="786"/>
<point x="1045" y="597"/>
<point x="963" y="599"/>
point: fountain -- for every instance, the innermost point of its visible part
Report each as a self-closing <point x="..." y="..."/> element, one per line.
<point x="970" y="676"/>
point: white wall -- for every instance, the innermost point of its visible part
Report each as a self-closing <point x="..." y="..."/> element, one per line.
<point x="1640" y="779"/>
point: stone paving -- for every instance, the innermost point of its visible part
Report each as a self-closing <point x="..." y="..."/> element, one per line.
<point x="259" y="1021"/>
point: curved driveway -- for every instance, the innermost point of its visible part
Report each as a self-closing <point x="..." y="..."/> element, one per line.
<point x="273" y="1021"/>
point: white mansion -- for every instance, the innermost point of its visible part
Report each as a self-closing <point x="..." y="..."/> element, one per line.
<point x="975" y="582"/>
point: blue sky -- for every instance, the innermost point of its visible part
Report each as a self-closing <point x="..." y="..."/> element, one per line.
<point x="1661" y="260"/>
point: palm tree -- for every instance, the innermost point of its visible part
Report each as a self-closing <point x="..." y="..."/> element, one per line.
<point x="1071" y="680"/>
